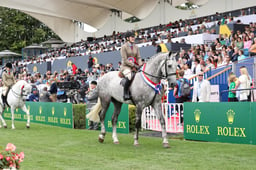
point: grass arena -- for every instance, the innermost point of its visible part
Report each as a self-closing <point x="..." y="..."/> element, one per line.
<point x="48" y="147"/>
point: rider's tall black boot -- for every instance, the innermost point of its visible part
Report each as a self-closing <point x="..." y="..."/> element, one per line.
<point x="126" y="89"/>
<point x="4" y="101"/>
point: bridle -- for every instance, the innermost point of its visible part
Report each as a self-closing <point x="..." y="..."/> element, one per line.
<point x="21" y="94"/>
<point x="161" y="77"/>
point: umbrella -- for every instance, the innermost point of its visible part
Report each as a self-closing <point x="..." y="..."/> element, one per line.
<point x="8" y="53"/>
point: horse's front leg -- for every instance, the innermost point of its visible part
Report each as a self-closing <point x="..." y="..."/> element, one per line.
<point x="137" y="125"/>
<point x="24" y="108"/>
<point x="12" y="111"/>
<point x="158" y="112"/>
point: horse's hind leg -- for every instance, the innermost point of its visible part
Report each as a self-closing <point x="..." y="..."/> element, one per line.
<point x="24" y="108"/>
<point x="115" y="115"/>
<point x="102" y="115"/>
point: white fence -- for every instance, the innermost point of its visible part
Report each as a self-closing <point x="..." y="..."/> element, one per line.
<point x="172" y="114"/>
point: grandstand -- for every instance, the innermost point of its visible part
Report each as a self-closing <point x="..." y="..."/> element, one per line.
<point x="199" y="36"/>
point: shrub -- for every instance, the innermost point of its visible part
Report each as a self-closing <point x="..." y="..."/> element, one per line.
<point x="79" y="111"/>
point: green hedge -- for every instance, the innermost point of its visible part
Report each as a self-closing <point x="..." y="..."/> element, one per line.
<point x="79" y="111"/>
<point x="132" y="117"/>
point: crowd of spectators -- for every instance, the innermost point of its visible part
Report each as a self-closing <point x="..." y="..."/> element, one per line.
<point x="144" y="37"/>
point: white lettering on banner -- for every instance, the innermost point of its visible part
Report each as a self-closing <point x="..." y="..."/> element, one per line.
<point x="215" y="96"/>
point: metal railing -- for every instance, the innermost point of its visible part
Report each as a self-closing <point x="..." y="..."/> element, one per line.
<point x="172" y="113"/>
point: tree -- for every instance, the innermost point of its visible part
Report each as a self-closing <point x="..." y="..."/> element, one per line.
<point x="18" y="30"/>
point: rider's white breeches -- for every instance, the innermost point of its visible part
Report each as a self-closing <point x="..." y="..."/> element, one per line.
<point x="127" y="73"/>
<point x="4" y="90"/>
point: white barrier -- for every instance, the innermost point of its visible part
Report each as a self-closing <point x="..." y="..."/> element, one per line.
<point x="171" y="112"/>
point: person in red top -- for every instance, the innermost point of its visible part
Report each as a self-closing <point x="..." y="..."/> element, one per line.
<point x="74" y="68"/>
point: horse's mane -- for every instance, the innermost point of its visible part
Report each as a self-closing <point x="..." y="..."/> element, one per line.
<point x="155" y="56"/>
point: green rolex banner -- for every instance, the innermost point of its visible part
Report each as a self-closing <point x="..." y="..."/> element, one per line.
<point x="56" y="114"/>
<point x="123" y="119"/>
<point x="231" y="122"/>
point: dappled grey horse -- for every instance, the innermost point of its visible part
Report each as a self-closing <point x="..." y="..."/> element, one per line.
<point x="146" y="89"/>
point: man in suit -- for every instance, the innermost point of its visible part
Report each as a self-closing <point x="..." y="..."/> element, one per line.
<point x="131" y="61"/>
<point x="201" y="90"/>
<point x="92" y="98"/>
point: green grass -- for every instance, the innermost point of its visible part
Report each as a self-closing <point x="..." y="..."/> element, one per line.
<point x="48" y="148"/>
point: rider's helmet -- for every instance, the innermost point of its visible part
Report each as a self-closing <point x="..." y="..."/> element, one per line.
<point x="129" y="34"/>
<point x="9" y="65"/>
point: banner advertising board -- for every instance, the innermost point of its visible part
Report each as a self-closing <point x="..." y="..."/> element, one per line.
<point x="50" y="113"/>
<point x="231" y="122"/>
<point x="123" y="119"/>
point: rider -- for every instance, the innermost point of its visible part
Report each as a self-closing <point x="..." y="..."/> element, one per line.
<point x="8" y="80"/>
<point x="131" y="61"/>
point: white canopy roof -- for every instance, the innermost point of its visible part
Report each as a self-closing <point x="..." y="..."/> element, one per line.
<point x="91" y="12"/>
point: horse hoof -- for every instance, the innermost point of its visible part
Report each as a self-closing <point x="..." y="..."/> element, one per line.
<point x="28" y="126"/>
<point x="5" y="126"/>
<point x="166" y="145"/>
<point x="116" y="142"/>
<point x="136" y="145"/>
<point x="101" y="140"/>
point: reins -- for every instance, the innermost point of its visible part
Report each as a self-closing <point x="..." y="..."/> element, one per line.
<point x="161" y="77"/>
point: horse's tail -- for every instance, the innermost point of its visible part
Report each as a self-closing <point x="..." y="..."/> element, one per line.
<point x="93" y="115"/>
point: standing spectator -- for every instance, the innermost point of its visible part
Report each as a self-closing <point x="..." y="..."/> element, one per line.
<point x="202" y="90"/>
<point x="74" y="69"/>
<point x="44" y="96"/>
<point x="178" y="93"/>
<point x="53" y="89"/>
<point x="232" y="84"/>
<point x="243" y="83"/>
<point x="90" y="63"/>
<point x="92" y="97"/>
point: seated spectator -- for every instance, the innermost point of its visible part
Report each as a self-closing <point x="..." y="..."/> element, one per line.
<point x="235" y="55"/>
<point x="253" y="48"/>
<point x="187" y="71"/>
<point x="241" y="55"/>
<point x="44" y="96"/>
<point x="34" y="96"/>
<point x="247" y="42"/>
<point x="239" y="43"/>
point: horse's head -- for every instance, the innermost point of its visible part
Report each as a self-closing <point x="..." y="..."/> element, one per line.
<point x="25" y="89"/>
<point x="169" y="69"/>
